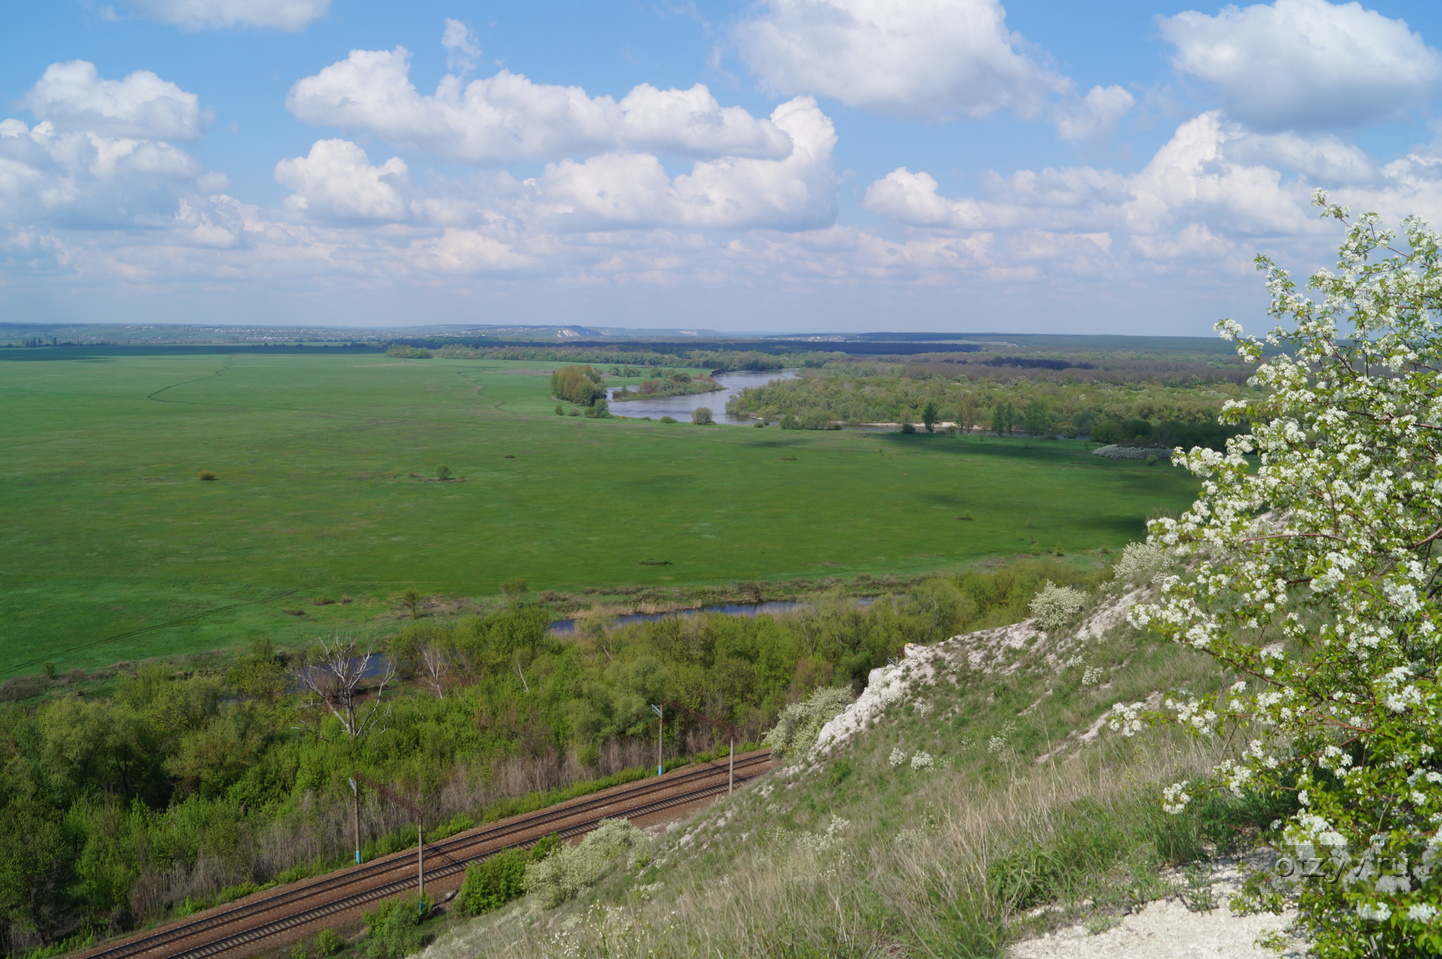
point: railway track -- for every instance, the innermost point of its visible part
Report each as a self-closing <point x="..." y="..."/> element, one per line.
<point x="242" y="927"/>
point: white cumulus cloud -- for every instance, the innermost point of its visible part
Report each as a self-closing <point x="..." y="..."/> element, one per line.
<point x="73" y="96"/>
<point x="933" y="59"/>
<point x="1305" y="64"/>
<point x="336" y="181"/>
<point x="1094" y="116"/>
<point x="633" y="190"/>
<point x="507" y="117"/>
<point x="209" y="14"/>
<point x="87" y="181"/>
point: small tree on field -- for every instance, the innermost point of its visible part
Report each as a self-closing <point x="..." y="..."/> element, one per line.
<point x="410" y="600"/>
<point x="1313" y="576"/>
<point x="443" y="473"/>
<point x="701" y="416"/>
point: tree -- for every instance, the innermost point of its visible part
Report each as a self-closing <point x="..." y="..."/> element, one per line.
<point x="701" y="416"/>
<point x="1003" y="418"/>
<point x="1313" y="578"/>
<point x="577" y="384"/>
<point x="929" y="415"/>
<point x="410" y="600"/>
<point x="966" y="411"/>
<point x="1036" y="419"/>
<point x="333" y="677"/>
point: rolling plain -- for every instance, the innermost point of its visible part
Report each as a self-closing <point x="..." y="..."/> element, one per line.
<point x="325" y="489"/>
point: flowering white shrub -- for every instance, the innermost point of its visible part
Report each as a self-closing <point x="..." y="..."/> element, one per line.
<point x="570" y="869"/>
<point x="896" y="758"/>
<point x="1093" y="675"/>
<point x="1139" y="563"/>
<point x="800" y="723"/>
<point x="922" y="760"/>
<point x="1056" y="606"/>
<point x="1315" y="567"/>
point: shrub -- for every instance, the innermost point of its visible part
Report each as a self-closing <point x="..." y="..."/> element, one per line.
<point x="701" y="416"/>
<point x="496" y="881"/>
<point x="1056" y="607"/>
<point x="393" y="927"/>
<point x="667" y="419"/>
<point x="444" y="473"/>
<point x="907" y="427"/>
<point x="493" y="882"/>
<point x="796" y="729"/>
<point x="1140" y="562"/>
<point x="208" y="476"/>
<point x="559" y="877"/>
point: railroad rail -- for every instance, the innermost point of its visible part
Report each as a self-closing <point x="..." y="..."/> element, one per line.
<point x="247" y="922"/>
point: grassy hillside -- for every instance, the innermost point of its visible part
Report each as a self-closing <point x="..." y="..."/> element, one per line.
<point x="973" y="810"/>
<point x="113" y="549"/>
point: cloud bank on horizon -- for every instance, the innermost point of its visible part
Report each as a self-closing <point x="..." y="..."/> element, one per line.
<point x="789" y="164"/>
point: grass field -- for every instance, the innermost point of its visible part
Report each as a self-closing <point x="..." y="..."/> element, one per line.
<point x="113" y="549"/>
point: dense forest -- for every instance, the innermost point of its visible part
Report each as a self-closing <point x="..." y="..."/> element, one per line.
<point x="1134" y="405"/>
<point x="179" y="788"/>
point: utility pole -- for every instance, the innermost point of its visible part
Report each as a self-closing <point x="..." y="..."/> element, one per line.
<point x="355" y="794"/>
<point x="420" y="826"/>
<point x="660" y="712"/>
<point x="731" y="772"/>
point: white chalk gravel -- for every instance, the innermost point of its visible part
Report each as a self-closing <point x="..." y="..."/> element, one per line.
<point x="1166" y="929"/>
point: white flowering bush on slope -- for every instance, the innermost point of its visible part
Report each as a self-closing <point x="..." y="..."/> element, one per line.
<point x="1312" y="572"/>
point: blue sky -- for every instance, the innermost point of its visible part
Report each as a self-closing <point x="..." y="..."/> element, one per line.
<point x="785" y="165"/>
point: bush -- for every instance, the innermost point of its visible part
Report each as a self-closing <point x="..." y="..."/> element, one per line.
<point x="667" y="419"/>
<point x="559" y="877"/>
<point x="1140" y="562"/>
<point x="444" y="473"/>
<point x="493" y="882"/>
<point x="393" y="927"/>
<point x="496" y="881"/>
<point x="796" y="729"/>
<point x="701" y="416"/>
<point x="208" y="476"/>
<point x="1056" y="607"/>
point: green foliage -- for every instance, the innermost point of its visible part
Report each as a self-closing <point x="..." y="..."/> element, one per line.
<point x="208" y="476"/>
<point x="323" y="944"/>
<point x="1150" y="405"/>
<point x="701" y="416"/>
<point x="581" y="385"/>
<point x="444" y="473"/>
<point x="493" y="882"/>
<point x="393" y="927"/>
<point x="401" y="351"/>
<point x="560" y="876"/>
<point x="796" y="729"/>
<point x="410" y="600"/>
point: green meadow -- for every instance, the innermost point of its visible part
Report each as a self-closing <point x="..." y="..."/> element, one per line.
<point x="113" y="549"/>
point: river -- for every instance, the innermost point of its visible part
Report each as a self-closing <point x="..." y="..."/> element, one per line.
<point x="681" y="407"/>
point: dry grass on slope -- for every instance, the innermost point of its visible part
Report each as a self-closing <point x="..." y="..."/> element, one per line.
<point x="933" y="831"/>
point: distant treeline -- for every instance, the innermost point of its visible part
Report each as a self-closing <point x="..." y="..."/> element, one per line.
<point x="184" y="787"/>
<point x="1133" y="413"/>
<point x="739" y="360"/>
